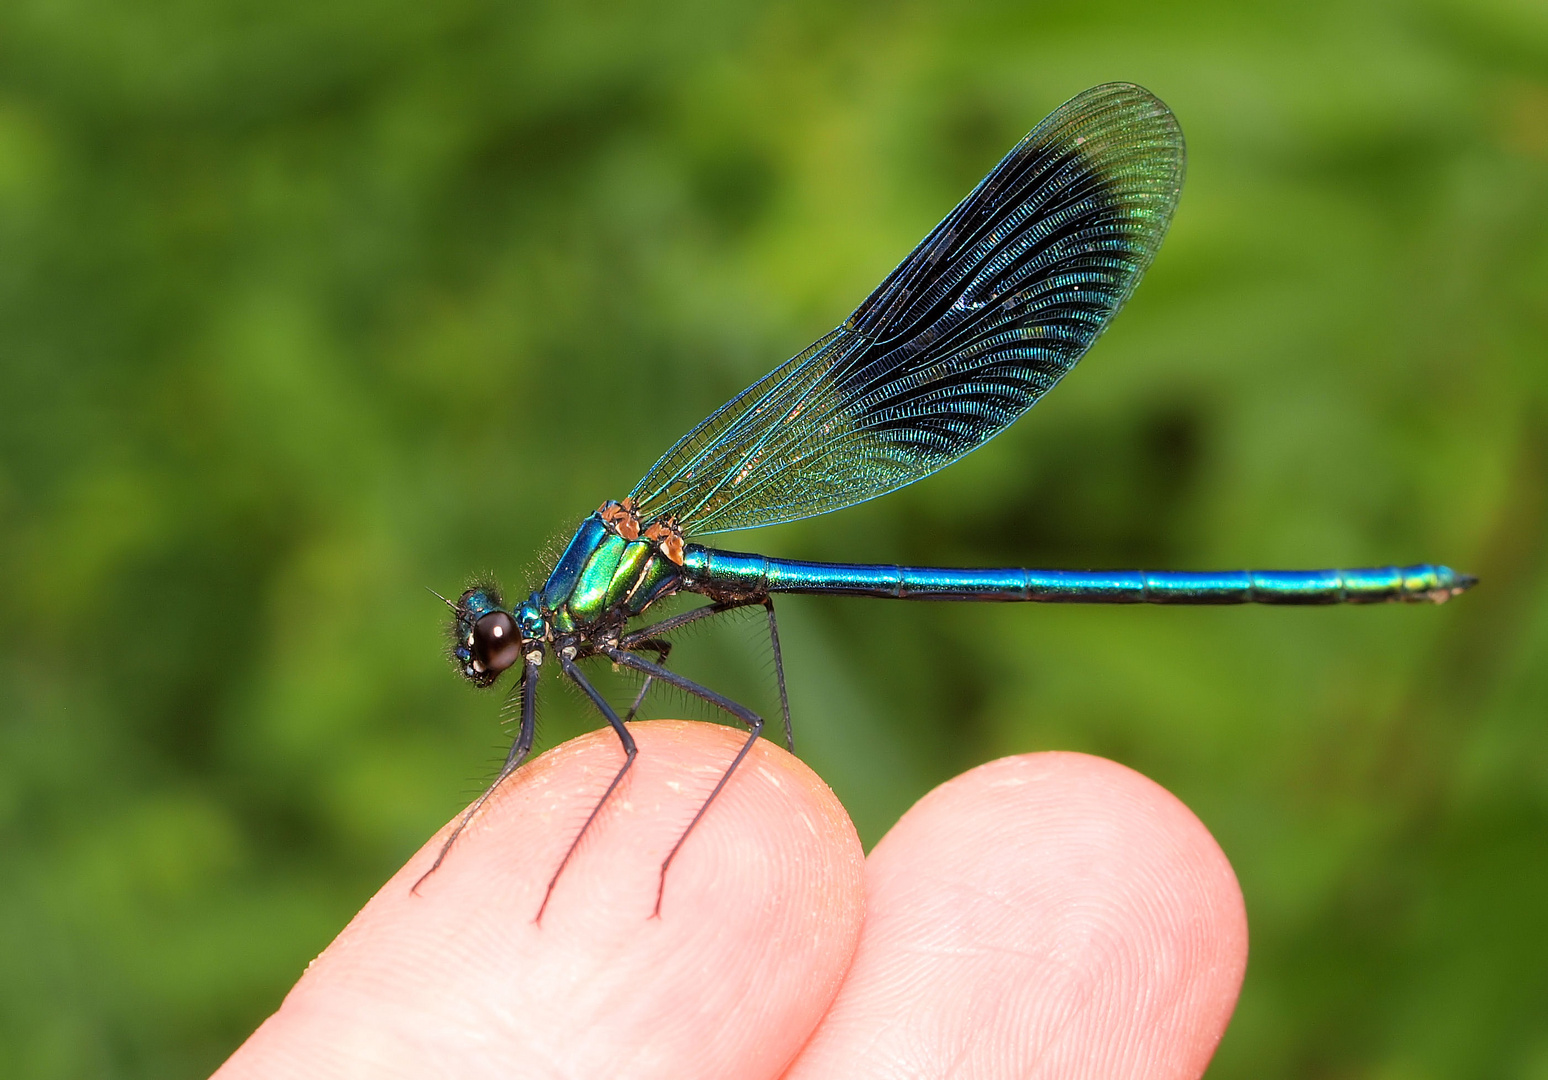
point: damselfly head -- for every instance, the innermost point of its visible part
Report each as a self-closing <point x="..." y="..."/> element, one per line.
<point x="485" y="640"/>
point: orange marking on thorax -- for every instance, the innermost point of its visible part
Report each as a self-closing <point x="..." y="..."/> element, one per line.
<point x="621" y="517"/>
<point x="667" y="535"/>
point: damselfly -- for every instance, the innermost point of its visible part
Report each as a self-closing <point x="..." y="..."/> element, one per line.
<point x="978" y="323"/>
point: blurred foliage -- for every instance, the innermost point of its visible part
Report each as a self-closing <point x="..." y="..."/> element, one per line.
<point x="307" y="305"/>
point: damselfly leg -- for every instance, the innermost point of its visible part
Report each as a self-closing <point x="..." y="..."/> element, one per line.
<point x="677" y="622"/>
<point x="779" y="673"/>
<point x="629" y="751"/>
<point x="662" y="649"/>
<point x="518" y="754"/>
<point x="753" y="721"/>
<point x="649" y="637"/>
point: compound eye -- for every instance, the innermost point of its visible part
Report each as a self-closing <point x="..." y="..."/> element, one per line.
<point x="496" y="645"/>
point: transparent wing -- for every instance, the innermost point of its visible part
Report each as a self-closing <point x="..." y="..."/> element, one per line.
<point x="979" y="322"/>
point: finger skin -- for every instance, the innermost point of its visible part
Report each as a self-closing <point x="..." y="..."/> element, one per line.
<point x="761" y="914"/>
<point x="1042" y="916"/>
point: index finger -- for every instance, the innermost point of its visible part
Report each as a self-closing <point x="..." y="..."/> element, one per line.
<point x="758" y="923"/>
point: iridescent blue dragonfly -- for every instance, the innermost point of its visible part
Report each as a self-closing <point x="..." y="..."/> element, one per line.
<point x="978" y="323"/>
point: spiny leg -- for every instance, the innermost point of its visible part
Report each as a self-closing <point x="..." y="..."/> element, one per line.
<point x="662" y="649"/>
<point x="779" y="673"/>
<point x="629" y="751"/>
<point x="753" y="721"/>
<point x="519" y="751"/>
<point x="639" y="640"/>
<point x="677" y="622"/>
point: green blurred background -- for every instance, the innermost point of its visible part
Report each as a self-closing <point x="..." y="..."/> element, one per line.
<point x="308" y="304"/>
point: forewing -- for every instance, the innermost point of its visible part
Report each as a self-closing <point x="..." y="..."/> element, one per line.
<point x="982" y="319"/>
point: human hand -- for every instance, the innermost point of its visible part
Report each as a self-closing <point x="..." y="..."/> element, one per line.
<point x="1047" y="915"/>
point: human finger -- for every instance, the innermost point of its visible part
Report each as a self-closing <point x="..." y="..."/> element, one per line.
<point x="1048" y="915"/>
<point x="760" y="914"/>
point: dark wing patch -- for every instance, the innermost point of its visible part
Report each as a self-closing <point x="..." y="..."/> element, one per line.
<point x="982" y="319"/>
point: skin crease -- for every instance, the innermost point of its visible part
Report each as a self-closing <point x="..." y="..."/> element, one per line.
<point x="1046" y="915"/>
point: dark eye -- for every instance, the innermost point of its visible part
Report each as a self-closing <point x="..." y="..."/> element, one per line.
<point x="496" y="644"/>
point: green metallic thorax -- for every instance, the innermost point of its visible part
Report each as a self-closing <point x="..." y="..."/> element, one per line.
<point x="600" y="575"/>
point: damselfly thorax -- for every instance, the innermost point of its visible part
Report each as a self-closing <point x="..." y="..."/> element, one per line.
<point x="614" y="567"/>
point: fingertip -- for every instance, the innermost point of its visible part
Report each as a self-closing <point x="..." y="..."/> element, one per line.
<point x="759" y="917"/>
<point x="1047" y="914"/>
